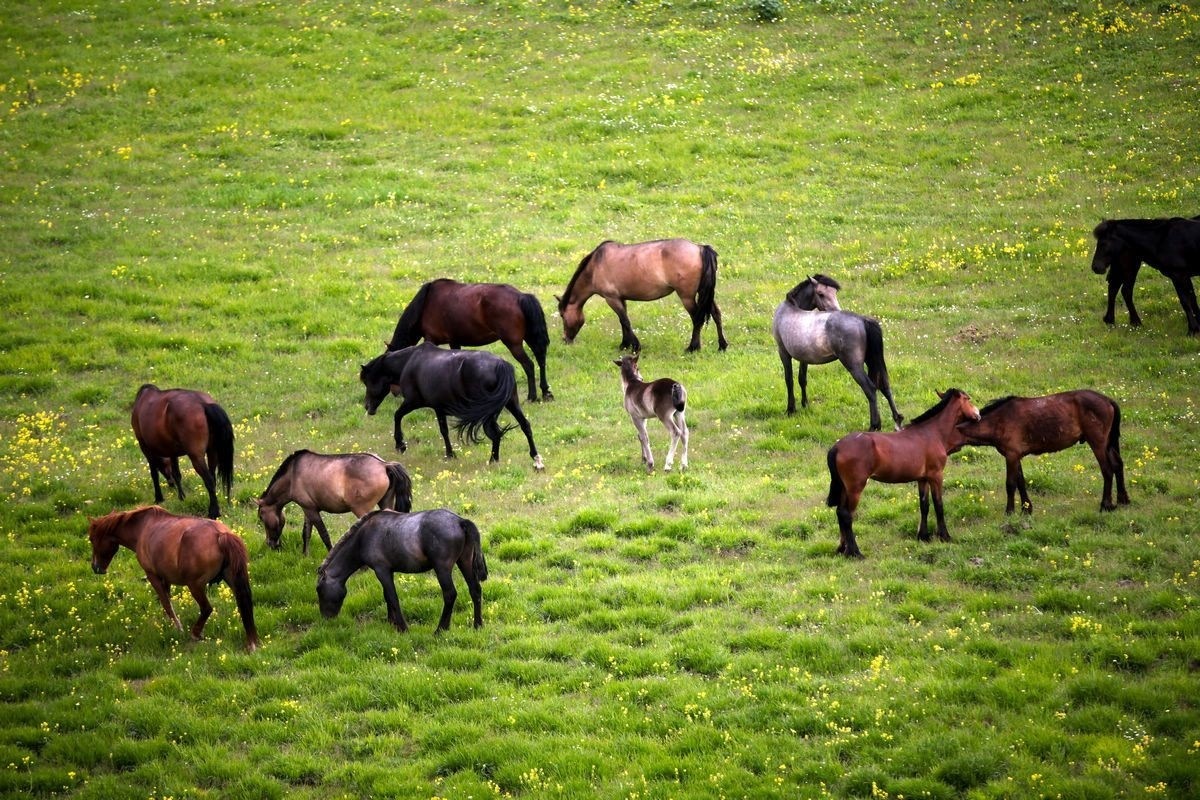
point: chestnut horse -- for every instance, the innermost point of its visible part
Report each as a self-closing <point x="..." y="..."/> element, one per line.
<point x="181" y="422"/>
<point x="178" y="551"/>
<point x="336" y="483"/>
<point x="916" y="453"/>
<point x="474" y="314"/>
<point x="646" y="271"/>
<point x="665" y="399"/>
<point x="1023" y="426"/>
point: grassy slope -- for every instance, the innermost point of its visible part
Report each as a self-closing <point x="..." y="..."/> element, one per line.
<point x="241" y="197"/>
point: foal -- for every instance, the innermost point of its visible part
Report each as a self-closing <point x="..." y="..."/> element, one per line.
<point x="663" y="398"/>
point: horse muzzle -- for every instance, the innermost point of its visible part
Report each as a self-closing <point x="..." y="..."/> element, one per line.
<point x="99" y="570"/>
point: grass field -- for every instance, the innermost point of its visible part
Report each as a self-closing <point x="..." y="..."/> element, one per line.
<point x="241" y="197"/>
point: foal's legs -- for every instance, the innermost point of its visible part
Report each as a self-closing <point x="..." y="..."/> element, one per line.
<point x="647" y="455"/>
<point x="388" y="582"/>
<point x="676" y="427"/>
<point x="201" y="595"/>
<point x="1110" y="463"/>
<point x="514" y="408"/>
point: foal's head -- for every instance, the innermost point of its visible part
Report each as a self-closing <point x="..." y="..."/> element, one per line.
<point x="629" y="368"/>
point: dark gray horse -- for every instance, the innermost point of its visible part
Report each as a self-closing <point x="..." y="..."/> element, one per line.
<point x="1171" y="246"/>
<point x="820" y="335"/>
<point x="388" y="542"/>
<point x="473" y="386"/>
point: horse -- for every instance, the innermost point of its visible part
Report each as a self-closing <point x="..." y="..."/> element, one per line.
<point x="663" y="398"/>
<point x="444" y="311"/>
<point x="916" y="453"/>
<point x="336" y="483"/>
<point x="471" y="385"/>
<point x="821" y="333"/>
<point x="1172" y="246"/>
<point x="389" y="542"/>
<point x="176" y="422"/>
<point x="1022" y="426"/>
<point x="645" y="271"/>
<point x="178" y="551"/>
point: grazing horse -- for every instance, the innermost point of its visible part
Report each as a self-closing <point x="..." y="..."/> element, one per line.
<point x="1022" y="426"/>
<point x="663" y="398"/>
<point x="181" y="422"/>
<point x="820" y="334"/>
<point x="1171" y="246"/>
<point x="336" y="483"/>
<point x="178" y="551"/>
<point x="473" y="386"/>
<point x="474" y="314"/>
<point x="645" y="271"/>
<point x="389" y="542"/>
<point x="916" y="453"/>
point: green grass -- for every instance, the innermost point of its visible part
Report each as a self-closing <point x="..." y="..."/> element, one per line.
<point x="241" y="197"/>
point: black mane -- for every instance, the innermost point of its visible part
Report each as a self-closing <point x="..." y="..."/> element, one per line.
<point x="284" y="467"/>
<point x="949" y="395"/>
<point x="566" y="296"/>
<point x="995" y="404"/>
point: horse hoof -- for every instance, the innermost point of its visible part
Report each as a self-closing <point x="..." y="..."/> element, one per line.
<point x="538" y="463"/>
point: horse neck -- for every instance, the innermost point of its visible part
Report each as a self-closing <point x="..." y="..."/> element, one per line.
<point x="345" y="558"/>
<point x="127" y="527"/>
<point x="280" y="489"/>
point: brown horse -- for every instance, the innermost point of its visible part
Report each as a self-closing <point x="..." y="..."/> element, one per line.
<point x="336" y="483"/>
<point x="915" y="453"/>
<point x="665" y="399"/>
<point x="474" y="314"/>
<point x="1023" y="426"/>
<point x="178" y="551"/>
<point x="645" y="271"/>
<point x="181" y="422"/>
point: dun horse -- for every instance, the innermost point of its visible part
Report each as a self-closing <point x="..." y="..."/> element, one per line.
<point x="475" y="314"/>
<point x="178" y="551"/>
<point x="663" y="398"/>
<point x="1171" y="246"/>
<point x="916" y="453"/>
<point x="181" y="422"/>
<point x="388" y="542"/>
<point x="473" y="386"/>
<point x="646" y="271"/>
<point x="820" y="333"/>
<point x="1023" y="426"/>
<point x="336" y="483"/>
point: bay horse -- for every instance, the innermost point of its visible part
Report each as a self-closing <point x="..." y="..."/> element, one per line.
<point x="1172" y="246"/>
<point x="445" y="311"/>
<point x="645" y="271"/>
<point x="1023" y="426"/>
<point x="916" y="453"/>
<point x="336" y="483"/>
<point x="182" y="422"/>
<point x="663" y="398"/>
<point x="473" y="386"/>
<point x="821" y="333"/>
<point x="388" y="542"/>
<point x="178" y="551"/>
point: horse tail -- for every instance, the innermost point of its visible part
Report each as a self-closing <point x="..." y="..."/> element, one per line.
<point x="536" y="332"/>
<point x="1113" y="445"/>
<point x="220" y="444"/>
<point x="478" y="563"/>
<point x="836" y="488"/>
<point x="706" y="292"/>
<point x="236" y="573"/>
<point x="408" y="328"/>
<point x="399" y="487"/>
<point x="474" y="413"/>
<point x="876" y="366"/>
<point x="678" y="396"/>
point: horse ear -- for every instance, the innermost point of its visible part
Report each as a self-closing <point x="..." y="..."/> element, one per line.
<point x="617" y="361"/>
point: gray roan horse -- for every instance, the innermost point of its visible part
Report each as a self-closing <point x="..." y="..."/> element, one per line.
<point x="822" y="333"/>
<point x="336" y="483"/>
<point x="665" y="399"/>
<point x="388" y="542"/>
<point x="473" y="386"/>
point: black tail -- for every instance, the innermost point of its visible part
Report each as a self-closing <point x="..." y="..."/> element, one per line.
<point x="473" y="413"/>
<point x="1113" y="446"/>
<point x="876" y="367"/>
<point x="706" y="292"/>
<point x="408" y="328"/>
<point x="836" y="487"/>
<point x="220" y="445"/>
<point x="536" y="333"/>
<point x="399" y="487"/>
<point x="678" y="398"/>
<point x="478" y="563"/>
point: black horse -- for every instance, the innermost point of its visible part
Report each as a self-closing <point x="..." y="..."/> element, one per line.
<point x="389" y="542"/>
<point x="1172" y="246"/>
<point x="472" y="386"/>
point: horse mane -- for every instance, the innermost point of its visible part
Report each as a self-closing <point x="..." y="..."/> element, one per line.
<point x="947" y="396"/>
<point x="995" y="404"/>
<point x="566" y="296"/>
<point x="284" y="467"/>
<point x="825" y="280"/>
<point x="410" y="319"/>
<point x="344" y="543"/>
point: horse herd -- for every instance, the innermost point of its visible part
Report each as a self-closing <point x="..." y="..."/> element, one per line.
<point x="473" y="387"/>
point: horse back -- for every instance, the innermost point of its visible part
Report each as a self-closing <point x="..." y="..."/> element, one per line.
<point x="182" y="550"/>
<point x="647" y="270"/>
<point x="167" y="422"/>
<point x="412" y="543"/>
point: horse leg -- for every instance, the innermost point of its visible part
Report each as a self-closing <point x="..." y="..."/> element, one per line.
<point x="1100" y="450"/>
<point x="491" y="427"/>
<point x="210" y="484"/>
<point x="514" y="408"/>
<point x="388" y="581"/>
<point x="1012" y="464"/>
<point x="938" y="509"/>
<point x="644" y="438"/>
<point x="541" y="362"/>
<point x="1022" y="487"/>
<point x="445" y="577"/>
<point x="1187" y="299"/>
<point x="154" y="463"/>
<point x="312" y="519"/>
<point x="518" y="352"/>
<point x="1114" y="285"/>
<point x="163" y="590"/>
<point x="689" y="305"/>
<point x="683" y="429"/>
<point x="673" y="437"/>
<point x="802" y="374"/>
<point x="787" y="380"/>
<point x="629" y="340"/>
<point x="1127" y="295"/>
<point x="201" y="596"/>
<point x="473" y="586"/>
<point x="868" y="388"/>
<point x="176" y="478"/>
<point x="847" y="544"/>
<point x="923" y="494"/>
<point x="445" y="431"/>
<point x="716" y="317"/>
<point x="398" y="430"/>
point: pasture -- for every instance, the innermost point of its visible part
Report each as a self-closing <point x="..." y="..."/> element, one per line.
<point x="240" y="197"/>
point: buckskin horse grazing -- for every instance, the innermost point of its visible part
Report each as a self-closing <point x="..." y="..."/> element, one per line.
<point x="181" y="422"/>
<point x="665" y="399"/>
<point x="178" y="551"/>
<point x="821" y="334"/>
<point x="1171" y="246"/>
<point x="336" y="483"/>
<point x="645" y="271"/>
<point x="1023" y="426"/>
<point x="473" y="386"/>
<point x="474" y="314"/>
<point x="916" y="453"/>
<point x="388" y="542"/>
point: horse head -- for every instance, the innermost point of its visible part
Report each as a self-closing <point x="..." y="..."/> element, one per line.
<point x="961" y="403"/>
<point x="629" y="367"/>
<point x="377" y="379"/>
<point x="272" y="520"/>
<point x="330" y="594"/>
<point x="572" y="317"/>
<point x="104" y="543"/>
<point x="1108" y="246"/>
